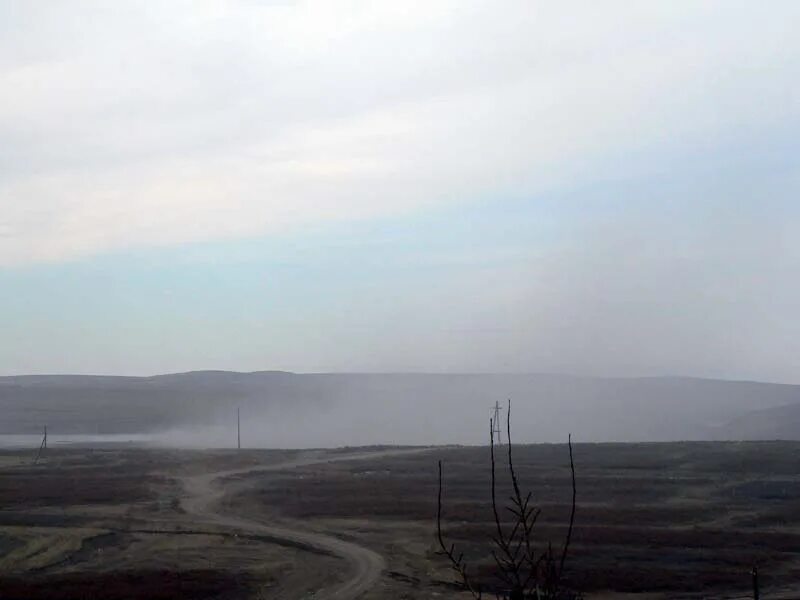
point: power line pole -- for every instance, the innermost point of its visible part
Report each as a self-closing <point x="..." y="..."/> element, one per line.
<point x="238" y="430"/>
<point x="495" y="416"/>
<point x="42" y="446"/>
<point x="756" y="593"/>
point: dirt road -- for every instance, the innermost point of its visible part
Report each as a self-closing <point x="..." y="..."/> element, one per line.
<point x="204" y="491"/>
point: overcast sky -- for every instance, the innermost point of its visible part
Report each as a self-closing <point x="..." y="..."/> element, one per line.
<point x="597" y="187"/>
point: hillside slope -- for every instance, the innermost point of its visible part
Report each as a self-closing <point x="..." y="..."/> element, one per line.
<point x="777" y="423"/>
<point x="335" y="409"/>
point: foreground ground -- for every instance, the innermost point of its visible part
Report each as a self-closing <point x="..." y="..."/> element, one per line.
<point x="654" y="520"/>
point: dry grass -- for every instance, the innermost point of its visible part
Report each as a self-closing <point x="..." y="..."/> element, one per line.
<point x="675" y="518"/>
<point x="124" y="585"/>
<point x="678" y="518"/>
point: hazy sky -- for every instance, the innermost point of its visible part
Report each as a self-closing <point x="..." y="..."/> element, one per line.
<point x="596" y="187"/>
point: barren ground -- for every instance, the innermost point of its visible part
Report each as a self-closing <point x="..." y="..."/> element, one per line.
<point x="654" y="520"/>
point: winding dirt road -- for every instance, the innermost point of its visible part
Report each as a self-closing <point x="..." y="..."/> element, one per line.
<point x="203" y="493"/>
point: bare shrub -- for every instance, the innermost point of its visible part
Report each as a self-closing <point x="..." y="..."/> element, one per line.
<point x="526" y="570"/>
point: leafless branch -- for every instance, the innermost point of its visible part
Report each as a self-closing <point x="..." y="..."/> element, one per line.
<point x="524" y="574"/>
<point x="572" y="511"/>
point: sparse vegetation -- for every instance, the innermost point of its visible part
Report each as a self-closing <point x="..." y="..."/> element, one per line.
<point x="196" y="584"/>
<point x="681" y="517"/>
<point x="527" y="568"/>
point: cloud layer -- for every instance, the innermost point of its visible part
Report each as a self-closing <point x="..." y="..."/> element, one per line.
<point x="131" y="125"/>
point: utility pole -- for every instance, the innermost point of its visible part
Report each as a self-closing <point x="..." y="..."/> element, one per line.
<point x="756" y="593"/>
<point x="42" y="446"/>
<point x="238" y="430"/>
<point x="496" y="431"/>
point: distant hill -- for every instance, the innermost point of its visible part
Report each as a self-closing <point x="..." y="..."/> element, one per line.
<point x="102" y="404"/>
<point x="290" y="409"/>
<point x="777" y="423"/>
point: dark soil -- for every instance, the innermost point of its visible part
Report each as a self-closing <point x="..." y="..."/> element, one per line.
<point x="128" y="585"/>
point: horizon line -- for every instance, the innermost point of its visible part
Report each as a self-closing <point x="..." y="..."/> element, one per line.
<point x="406" y="373"/>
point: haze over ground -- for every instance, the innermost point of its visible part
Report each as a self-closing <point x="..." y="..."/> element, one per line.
<point x="455" y="187"/>
<point x="330" y="410"/>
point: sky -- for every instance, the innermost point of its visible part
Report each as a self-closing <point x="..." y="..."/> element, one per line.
<point x="593" y="188"/>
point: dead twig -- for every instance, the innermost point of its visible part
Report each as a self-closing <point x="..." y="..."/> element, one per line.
<point x="523" y="572"/>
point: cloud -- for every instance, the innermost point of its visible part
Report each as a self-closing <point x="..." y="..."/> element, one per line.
<point x="136" y="125"/>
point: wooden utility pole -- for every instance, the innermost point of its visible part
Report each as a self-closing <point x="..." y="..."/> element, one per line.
<point x="42" y="446"/>
<point x="238" y="430"/>
<point x="756" y="592"/>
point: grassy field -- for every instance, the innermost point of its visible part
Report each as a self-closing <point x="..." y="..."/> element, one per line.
<point x="653" y="520"/>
